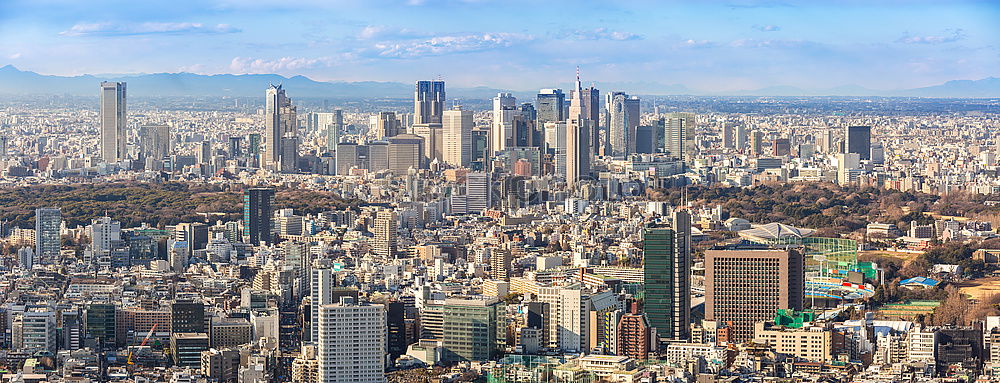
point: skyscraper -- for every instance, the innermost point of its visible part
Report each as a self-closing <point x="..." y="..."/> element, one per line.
<point x="48" y="241"/>
<point x="352" y="340"/>
<point x="667" y="269"/>
<point x="578" y="129"/>
<point x="321" y="293"/>
<point x="384" y="125"/>
<point x="279" y="122"/>
<point x="590" y="110"/>
<point x="858" y="139"/>
<point x="258" y="205"/>
<point x="154" y="141"/>
<point x="679" y="135"/>
<point x="457" y="128"/>
<point x="741" y="137"/>
<point x="623" y="119"/>
<point x="113" y="121"/>
<point x="748" y="286"/>
<point x="728" y="135"/>
<point x="385" y="233"/>
<point x="550" y="106"/>
<point x="428" y="102"/>
<point x="504" y="115"/>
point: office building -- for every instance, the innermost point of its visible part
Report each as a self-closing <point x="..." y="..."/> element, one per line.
<point x="748" y="286"/>
<point x="679" y="135"/>
<point x="113" y="121"/>
<point x="858" y="139"/>
<point x="351" y="156"/>
<point x="258" y="205"/>
<point x="154" y="142"/>
<point x="550" y="106"/>
<point x="405" y="152"/>
<point x="623" y="120"/>
<point x="505" y="117"/>
<point x="37" y="331"/>
<point x="457" y="128"/>
<point x="433" y="136"/>
<point x="186" y="348"/>
<point x="48" y="239"/>
<point x="385" y="227"/>
<point x="578" y="129"/>
<point x="187" y="316"/>
<point x="279" y="123"/>
<point x="667" y="269"/>
<point x="384" y="125"/>
<point x="428" y="102"/>
<point x="478" y="192"/>
<point x="352" y="342"/>
<point x="474" y="329"/>
<point x="100" y="323"/>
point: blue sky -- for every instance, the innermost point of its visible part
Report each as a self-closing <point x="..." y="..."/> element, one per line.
<point x="704" y="45"/>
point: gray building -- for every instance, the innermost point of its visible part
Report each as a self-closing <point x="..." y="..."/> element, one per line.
<point x="48" y="241"/>
<point x="113" y="121"/>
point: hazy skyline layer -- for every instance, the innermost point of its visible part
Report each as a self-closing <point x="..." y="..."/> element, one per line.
<point x="713" y="46"/>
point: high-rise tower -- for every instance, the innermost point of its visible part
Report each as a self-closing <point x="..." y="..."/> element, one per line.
<point x="667" y="268"/>
<point x="280" y="125"/>
<point x="48" y="241"/>
<point x="428" y="102"/>
<point x="113" y="123"/>
<point x="258" y="205"/>
<point x="578" y="129"/>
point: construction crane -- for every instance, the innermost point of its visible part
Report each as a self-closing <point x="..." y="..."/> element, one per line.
<point x="144" y="340"/>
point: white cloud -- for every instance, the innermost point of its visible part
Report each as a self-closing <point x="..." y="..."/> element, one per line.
<point x="600" y="34"/>
<point x="14" y="56"/>
<point x="442" y="45"/>
<point x="956" y="34"/>
<point x="372" y="32"/>
<point x="284" y="64"/>
<point x="127" y="29"/>
<point x="767" y="28"/>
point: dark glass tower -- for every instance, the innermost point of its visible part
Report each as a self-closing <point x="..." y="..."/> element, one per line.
<point x="667" y="269"/>
<point x="258" y="208"/>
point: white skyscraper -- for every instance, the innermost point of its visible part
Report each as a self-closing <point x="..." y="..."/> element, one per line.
<point x="623" y="120"/>
<point x="321" y="293"/>
<point x="113" y="122"/>
<point x="457" y="127"/>
<point x="502" y="130"/>
<point x="352" y="342"/>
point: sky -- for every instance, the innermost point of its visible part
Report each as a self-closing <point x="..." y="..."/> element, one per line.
<point x="703" y="45"/>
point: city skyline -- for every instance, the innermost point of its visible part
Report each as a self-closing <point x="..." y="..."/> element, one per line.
<point x="713" y="47"/>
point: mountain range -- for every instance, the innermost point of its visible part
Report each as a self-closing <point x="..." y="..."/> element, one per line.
<point x="17" y="82"/>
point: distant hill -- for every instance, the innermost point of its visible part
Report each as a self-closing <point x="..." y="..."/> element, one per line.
<point x="15" y="81"/>
<point x="985" y="88"/>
